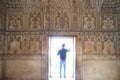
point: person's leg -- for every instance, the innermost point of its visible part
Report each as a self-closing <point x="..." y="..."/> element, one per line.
<point x="60" y="69"/>
<point x="64" y="69"/>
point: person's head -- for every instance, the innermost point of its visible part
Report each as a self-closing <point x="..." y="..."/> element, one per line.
<point x="63" y="45"/>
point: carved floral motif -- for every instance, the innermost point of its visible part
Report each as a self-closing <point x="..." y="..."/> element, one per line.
<point x="62" y="20"/>
<point x="34" y="45"/>
<point x="89" y="44"/>
<point x="109" y="45"/>
<point x="26" y="44"/>
<point x="89" y="21"/>
<point x="15" y="22"/>
<point x="108" y="22"/>
<point x="35" y="20"/>
<point x="15" y="46"/>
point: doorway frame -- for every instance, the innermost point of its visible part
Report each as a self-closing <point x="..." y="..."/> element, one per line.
<point x="49" y="51"/>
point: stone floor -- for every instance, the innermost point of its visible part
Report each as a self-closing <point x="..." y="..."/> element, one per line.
<point x="61" y="78"/>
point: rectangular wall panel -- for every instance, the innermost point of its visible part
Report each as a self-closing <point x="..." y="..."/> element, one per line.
<point x="23" y="70"/>
<point x="100" y="70"/>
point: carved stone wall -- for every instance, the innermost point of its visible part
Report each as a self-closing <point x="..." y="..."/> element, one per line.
<point x="26" y="25"/>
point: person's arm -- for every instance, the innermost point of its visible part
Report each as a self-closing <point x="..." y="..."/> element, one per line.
<point x="68" y="50"/>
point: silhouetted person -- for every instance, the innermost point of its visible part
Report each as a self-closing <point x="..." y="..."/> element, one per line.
<point x="62" y="52"/>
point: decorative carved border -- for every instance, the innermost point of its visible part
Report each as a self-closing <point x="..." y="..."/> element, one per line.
<point x="99" y="57"/>
<point x="22" y="57"/>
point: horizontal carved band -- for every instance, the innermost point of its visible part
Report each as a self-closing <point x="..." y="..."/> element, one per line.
<point x="22" y="57"/>
<point x="103" y="57"/>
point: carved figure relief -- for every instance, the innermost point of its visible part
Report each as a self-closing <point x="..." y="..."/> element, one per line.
<point x="62" y="20"/>
<point x="89" y="22"/>
<point x="25" y="45"/>
<point x="15" y="46"/>
<point x="15" y="22"/>
<point x="99" y="47"/>
<point x="35" y="20"/>
<point x="34" y="46"/>
<point x="108" y="23"/>
<point x="89" y="47"/>
<point x="109" y="47"/>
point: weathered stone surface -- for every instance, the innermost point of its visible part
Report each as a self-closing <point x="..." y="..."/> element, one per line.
<point x="0" y="70"/>
<point x="21" y="69"/>
<point x="100" y="70"/>
<point x="25" y="27"/>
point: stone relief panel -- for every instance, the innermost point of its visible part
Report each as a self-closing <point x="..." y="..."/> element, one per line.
<point x="47" y="15"/>
<point x="109" y="43"/>
<point x="1" y="44"/>
<point x="61" y="20"/>
<point x="35" y="20"/>
<point x="99" y="43"/>
<point x="79" y="44"/>
<point x="76" y="9"/>
<point x="108" y="22"/>
<point x="45" y="42"/>
<point x="35" y="45"/>
<point x="1" y="22"/>
<point x="14" y="44"/>
<point x="31" y="5"/>
<point x="21" y="43"/>
<point x="92" y="4"/>
<point x="75" y="22"/>
<point x="89" y="20"/>
<point x="60" y="14"/>
<point x="89" y="43"/>
<point x="14" y="22"/>
<point x="118" y="21"/>
<point x="118" y="44"/>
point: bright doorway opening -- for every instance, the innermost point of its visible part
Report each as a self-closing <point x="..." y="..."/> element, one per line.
<point x="55" y="44"/>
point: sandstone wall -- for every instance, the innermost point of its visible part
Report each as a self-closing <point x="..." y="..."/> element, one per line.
<point x="24" y="39"/>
